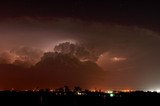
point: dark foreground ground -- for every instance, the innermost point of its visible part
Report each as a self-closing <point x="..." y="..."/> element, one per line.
<point x="47" y="98"/>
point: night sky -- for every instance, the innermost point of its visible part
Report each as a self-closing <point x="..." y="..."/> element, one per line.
<point x="89" y="43"/>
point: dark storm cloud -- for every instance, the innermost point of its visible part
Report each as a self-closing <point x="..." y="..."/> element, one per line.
<point x="137" y="47"/>
<point x="122" y="11"/>
<point x="66" y="69"/>
<point x="53" y="70"/>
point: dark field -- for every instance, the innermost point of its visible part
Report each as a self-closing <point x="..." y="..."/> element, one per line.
<point x="85" y="98"/>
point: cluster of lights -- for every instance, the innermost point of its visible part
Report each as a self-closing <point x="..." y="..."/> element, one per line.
<point x="111" y="93"/>
<point x="156" y="90"/>
<point x="127" y="90"/>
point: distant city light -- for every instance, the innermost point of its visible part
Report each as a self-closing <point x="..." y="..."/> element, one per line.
<point x="127" y="90"/>
<point x="158" y="90"/>
<point x="93" y="90"/>
<point x="155" y="90"/>
<point x="111" y="95"/>
<point x="109" y="92"/>
<point x="51" y="90"/>
<point x="79" y="93"/>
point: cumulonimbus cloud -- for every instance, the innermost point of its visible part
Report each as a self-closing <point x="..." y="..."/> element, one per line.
<point x="139" y="46"/>
<point x="53" y="70"/>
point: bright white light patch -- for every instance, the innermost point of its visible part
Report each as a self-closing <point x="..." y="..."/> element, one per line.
<point x="117" y="59"/>
<point x="111" y="95"/>
<point x="156" y="90"/>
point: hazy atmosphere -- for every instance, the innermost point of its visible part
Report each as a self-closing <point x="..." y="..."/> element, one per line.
<point x="104" y="45"/>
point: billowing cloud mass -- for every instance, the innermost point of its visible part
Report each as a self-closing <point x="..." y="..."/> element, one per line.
<point x="78" y="50"/>
<point x="65" y="69"/>
<point x="53" y="70"/>
<point x="5" y="57"/>
<point x="27" y="54"/>
<point x="21" y="55"/>
<point x="117" y="56"/>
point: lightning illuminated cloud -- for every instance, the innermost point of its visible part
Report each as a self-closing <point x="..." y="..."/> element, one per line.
<point x="122" y="51"/>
